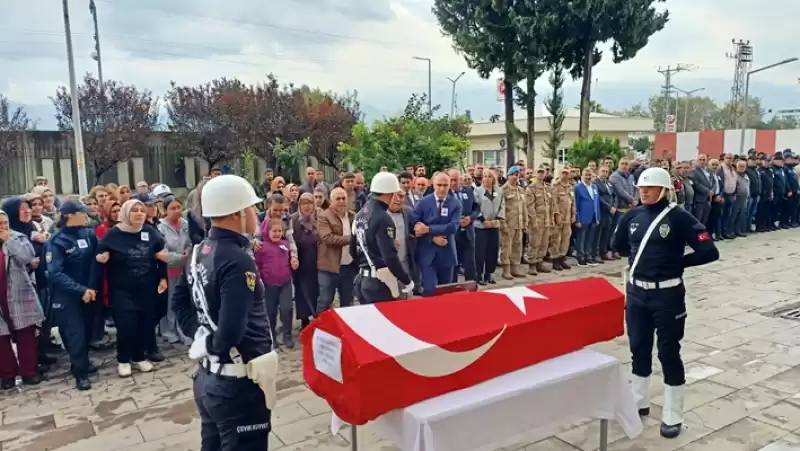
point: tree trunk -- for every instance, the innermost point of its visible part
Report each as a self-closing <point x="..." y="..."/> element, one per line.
<point x="586" y="90"/>
<point x="511" y="145"/>
<point x="531" y="106"/>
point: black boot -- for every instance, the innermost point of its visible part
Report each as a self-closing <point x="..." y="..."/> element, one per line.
<point x="83" y="383"/>
<point x="8" y="384"/>
<point x="287" y="318"/>
<point x="564" y="264"/>
<point x="671" y="431"/>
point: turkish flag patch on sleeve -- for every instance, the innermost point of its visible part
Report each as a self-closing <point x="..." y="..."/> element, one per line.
<point x="703" y="236"/>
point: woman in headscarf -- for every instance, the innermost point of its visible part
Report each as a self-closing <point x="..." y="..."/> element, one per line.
<point x="75" y="277"/>
<point x="132" y="253"/>
<point x="49" y="200"/>
<point x="94" y="216"/>
<point x="175" y="230"/>
<point x="292" y="193"/>
<point x="198" y="225"/>
<point x="277" y="185"/>
<point x="306" y="289"/>
<point x="123" y="194"/>
<point x="42" y="222"/>
<point x="21" y="312"/>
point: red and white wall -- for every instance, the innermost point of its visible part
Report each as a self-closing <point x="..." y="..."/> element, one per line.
<point x="686" y="145"/>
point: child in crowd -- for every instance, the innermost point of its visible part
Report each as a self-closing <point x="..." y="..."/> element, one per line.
<point x="273" y="261"/>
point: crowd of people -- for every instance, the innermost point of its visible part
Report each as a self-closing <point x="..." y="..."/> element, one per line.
<point x="112" y="258"/>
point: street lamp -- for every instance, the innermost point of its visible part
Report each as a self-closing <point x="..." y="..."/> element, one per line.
<point x="747" y="93"/>
<point x="688" y="95"/>
<point x="420" y="58"/>
<point x="453" y="96"/>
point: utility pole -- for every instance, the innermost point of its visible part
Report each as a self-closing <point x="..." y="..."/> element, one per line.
<point x="453" y="96"/>
<point x="97" y="56"/>
<point x="430" y="104"/>
<point x="688" y="95"/>
<point x="80" y="159"/>
<point x="668" y="73"/>
<point x="743" y="56"/>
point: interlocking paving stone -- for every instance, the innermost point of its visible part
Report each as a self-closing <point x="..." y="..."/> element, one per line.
<point x="742" y="365"/>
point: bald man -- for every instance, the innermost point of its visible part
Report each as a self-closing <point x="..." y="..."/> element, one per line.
<point x="311" y="181"/>
<point x="436" y="219"/>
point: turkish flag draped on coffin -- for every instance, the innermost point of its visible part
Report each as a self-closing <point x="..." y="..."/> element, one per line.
<point x="369" y="359"/>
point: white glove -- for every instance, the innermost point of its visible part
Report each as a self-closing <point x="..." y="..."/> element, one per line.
<point x="198" y="349"/>
<point x="408" y="289"/>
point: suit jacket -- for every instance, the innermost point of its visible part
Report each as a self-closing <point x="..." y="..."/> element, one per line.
<point x="411" y="240"/>
<point x="606" y="194"/>
<point x="469" y="207"/>
<point x="412" y="199"/>
<point x="587" y="206"/>
<point x="441" y="223"/>
<point x="702" y="184"/>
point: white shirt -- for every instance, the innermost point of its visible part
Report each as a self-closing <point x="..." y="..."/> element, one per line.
<point x="590" y="188"/>
<point x="346" y="257"/>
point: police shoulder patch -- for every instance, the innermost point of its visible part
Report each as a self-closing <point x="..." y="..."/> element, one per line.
<point x="251" y="280"/>
<point x="390" y="232"/>
<point x="48" y="257"/>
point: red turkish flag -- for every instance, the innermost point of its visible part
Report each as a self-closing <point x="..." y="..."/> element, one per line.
<point x="367" y="360"/>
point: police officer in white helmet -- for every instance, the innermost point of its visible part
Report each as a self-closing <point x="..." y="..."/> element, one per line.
<point x="220" y="301"/>
<point x="372" y="245"/>
<point x="654" y="237"/>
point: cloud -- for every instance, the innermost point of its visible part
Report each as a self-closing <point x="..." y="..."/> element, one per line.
<point x="347" y="45"/>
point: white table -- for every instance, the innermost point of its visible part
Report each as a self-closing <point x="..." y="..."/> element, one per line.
<point x="530" y="401"/>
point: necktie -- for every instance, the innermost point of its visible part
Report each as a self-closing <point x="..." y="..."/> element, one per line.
<point x="439" y="205"/>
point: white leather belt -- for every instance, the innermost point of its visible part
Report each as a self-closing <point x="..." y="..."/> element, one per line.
<point x="237" y="370"/>
<point x="367" y="272"/>
<point x="669" y="283"/>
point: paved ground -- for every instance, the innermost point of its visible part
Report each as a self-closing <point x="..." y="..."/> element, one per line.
<point x="743" y="367"/>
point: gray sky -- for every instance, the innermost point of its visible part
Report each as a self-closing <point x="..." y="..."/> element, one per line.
<point x="346" y="45"/>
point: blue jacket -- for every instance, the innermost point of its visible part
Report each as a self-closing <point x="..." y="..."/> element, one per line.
<point x="469" y="207"/>
<point x="71" y="265"/>
<point x="441" y="223"/>
<point x="587" y="207"/>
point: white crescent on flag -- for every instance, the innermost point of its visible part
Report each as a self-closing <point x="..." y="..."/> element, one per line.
<point x="414" y="355"/>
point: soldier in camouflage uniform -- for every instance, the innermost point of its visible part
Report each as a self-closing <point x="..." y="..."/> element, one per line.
<point x="513" y="226"/>
<point x="563" y="219"/>
<point x="541" y="206"/>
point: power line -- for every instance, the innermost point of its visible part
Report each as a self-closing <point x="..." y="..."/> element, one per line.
<point x="277" y="56"/>
<point x="263" y="24"/>
<point x="668" y="73"/>
<point x="227" y="61"/>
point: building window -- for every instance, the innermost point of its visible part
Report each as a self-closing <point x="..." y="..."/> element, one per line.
<point x="562" y="157"/>
<point x="487" y="157"/>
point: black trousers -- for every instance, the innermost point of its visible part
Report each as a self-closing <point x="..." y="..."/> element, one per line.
<point x="134" y="329"/>
<point x="371" y="290"/>
<point x="777" y="210"/>
<point x="465" y="248"/>
<point x="789" y="210"/>
<point x="233" y="413"/>
<point x="604" y="231"/>
<point x="763" y="213"/>
<point x="74" y="320"/>
<point x="659" y="312"/>
<point x="487" y="248"/>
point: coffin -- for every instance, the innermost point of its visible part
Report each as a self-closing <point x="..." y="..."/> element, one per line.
<point x="367" y="360"/>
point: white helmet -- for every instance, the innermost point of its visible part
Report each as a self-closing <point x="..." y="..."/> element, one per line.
<point x="162" y="190"/>
<point x="385" y="183"/>
<point x="225" y="195"/>
<point x="655" y="177"/>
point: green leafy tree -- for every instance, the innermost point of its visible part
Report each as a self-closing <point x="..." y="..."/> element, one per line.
<point x="555" y="106"/>
<point x="641" y="144"/>
<point x="486" y="33"/>
<point x="13" y="123"/>
<point x="595" y="149"/>
<point x="288" y="157"/>
<point x="414" y="137"/>
<point x="701" y="113"/>
<point x="637" y="110"/>
<point x="627" y="23"/>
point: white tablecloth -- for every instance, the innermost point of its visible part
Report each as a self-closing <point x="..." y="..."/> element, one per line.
<point x="531" y="401"/>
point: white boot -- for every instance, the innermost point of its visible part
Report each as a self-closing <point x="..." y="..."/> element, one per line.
<point x="641" y="393"/>
<point x="672" y="415"/>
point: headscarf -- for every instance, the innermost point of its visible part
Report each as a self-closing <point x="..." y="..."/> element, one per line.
<point x="306" y="220"/>
<point x="124" y="223"/>
<point x="11" y="207"/>
<point x="107" y="209"/>
<point x="29" y="198"/>
<point x="274" y="185"/>
<point x="52" y="212"/>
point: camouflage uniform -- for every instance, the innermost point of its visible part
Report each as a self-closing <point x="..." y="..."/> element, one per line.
<point x="511" y="230"/>
<point x="564" y="218"/>
<point x="541" y="207"/>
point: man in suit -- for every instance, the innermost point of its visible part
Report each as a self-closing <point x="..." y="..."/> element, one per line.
<point x="436" y="220"/>
<point x="465" y="237"/>
<point x="587" y="217"/>
<point x="605" y="229"/>
<point x="406" y="242"/>
<point x="311" y="181"/>
<point x="703" y="192"/>
<point x="411" y="198"/>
